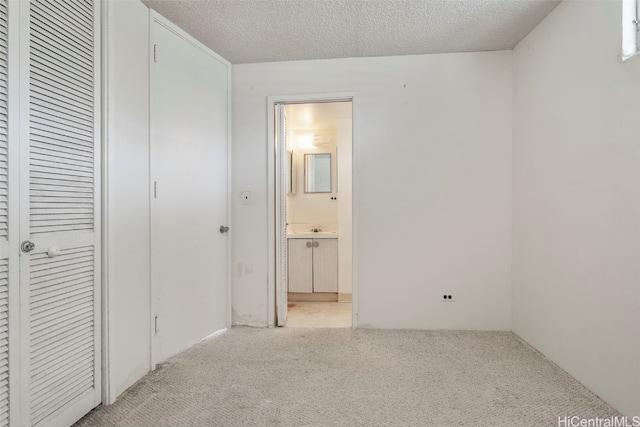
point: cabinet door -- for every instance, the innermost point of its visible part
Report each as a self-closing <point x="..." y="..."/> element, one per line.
<point x="300" y="265"/>
<point x="325" y="265"/>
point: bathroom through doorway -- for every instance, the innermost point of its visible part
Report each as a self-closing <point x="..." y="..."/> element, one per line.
<point x="313" y="142"/>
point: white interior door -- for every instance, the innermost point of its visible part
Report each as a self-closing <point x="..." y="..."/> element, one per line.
<point x="282" y="258"/>
<point x="189" y="131"/>
<point x="59" y="211"/>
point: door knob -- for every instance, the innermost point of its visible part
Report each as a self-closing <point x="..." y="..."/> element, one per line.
<point x="27" y="246"/>
<point x="224" y="229"/>
<point x="316" y="244"/>
<point x="54" y="251"/>
<point x="308" y="244"/>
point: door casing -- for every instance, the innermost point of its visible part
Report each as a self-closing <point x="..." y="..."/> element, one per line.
<point x="275" y="186"/>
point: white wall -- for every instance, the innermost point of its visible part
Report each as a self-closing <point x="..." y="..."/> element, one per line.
<point x="432" y="185"/>
<point x="127" y="194"/>
<point x="127" y="204"/>
<point x="576" y="269"/>
<point x="312" y="209"/>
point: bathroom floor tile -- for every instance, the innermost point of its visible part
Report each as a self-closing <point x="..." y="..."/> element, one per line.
<point x="319" y="315"/>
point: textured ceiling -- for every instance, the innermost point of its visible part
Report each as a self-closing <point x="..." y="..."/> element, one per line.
<point x="245" y="31"/>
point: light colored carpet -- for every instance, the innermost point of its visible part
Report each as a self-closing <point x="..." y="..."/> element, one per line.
<point x="319" y="315"/>
<point x="347" y="377"/>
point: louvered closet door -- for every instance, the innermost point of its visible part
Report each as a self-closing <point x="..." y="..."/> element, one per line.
<point x="59" y="278"/>
<point x="4" y="216"/>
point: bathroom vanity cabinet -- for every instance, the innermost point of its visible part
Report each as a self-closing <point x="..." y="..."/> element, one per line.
<point x="313" y="265"/>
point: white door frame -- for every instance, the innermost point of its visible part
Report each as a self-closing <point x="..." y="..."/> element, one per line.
<point x="108" y="391"/>
<point x="273" y="202"/>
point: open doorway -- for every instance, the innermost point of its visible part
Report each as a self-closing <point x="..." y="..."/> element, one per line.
<point x="313" y="214"/>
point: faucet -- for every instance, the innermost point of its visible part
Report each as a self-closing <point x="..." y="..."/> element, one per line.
<point x="316" y="229"/>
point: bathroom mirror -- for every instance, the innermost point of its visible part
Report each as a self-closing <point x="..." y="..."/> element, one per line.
<point x="317" y="173"/>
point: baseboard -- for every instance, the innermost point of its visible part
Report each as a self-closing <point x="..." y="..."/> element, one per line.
<point x="344" y="298"/>
<point x="312" y="297"/>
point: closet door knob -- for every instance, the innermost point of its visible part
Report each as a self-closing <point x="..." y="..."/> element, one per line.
<point x="27" y="246"/>
<point x="308" y="244"/>
<point x="316" y="244"/>
<point x="53" y="251"/>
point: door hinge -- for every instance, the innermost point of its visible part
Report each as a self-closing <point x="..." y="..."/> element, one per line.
<point x="155" y="53"/>
<point x="155" y="189"/>
<point x="155" y="326"/>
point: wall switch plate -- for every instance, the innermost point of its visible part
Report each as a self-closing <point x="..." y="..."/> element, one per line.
<point x="246" y="197"/>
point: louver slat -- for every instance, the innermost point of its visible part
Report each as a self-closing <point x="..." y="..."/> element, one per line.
<point x="62" y="296"/>
<point x="4" y="340"/>
<point x="4" y="149"/>
<point x="61" y="116"/>
<point x="62" y="330"/>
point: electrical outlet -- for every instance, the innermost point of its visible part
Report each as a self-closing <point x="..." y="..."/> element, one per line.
<point x="447" y="298"/>
<point x="246" y="197"/>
